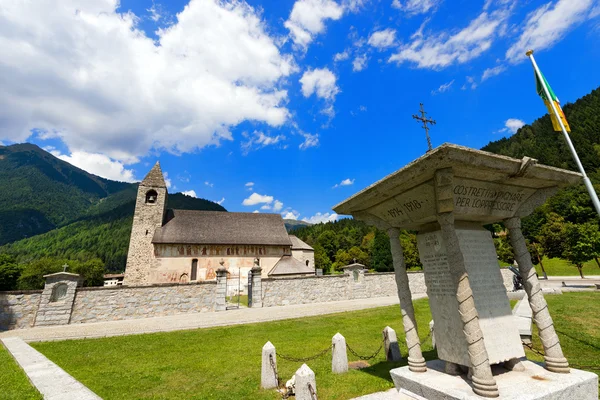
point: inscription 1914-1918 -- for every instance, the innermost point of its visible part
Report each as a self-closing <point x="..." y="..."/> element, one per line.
<point x="405" y="208"/>
<point x="489" y="199"/>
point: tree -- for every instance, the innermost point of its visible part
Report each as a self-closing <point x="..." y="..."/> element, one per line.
<point x="92" y="272"/>
<point x="552" y="236"/>
<point x="411" y="253"/>
<point x="537" y="254"/>
<point x="381" y="255"/>
<point x="582" y="241"/>
<point x="504" y="249"/>
<point x="9" y="272"/>
<point x="32" y="277"/>
<point x="328" y="241"/>
<point x="322" y="261"/>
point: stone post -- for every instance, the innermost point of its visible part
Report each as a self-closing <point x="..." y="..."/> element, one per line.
<point x="416" y="362"/>
<point x="390" y="342"/>
<point x="339" y="356"/>
<point x="484" y="383"/>
<point x="56" y="302"/>
<point x="268" y="373"/>
<point x="221" y="300"/>
<point x="553" y="354"/>
<point x="306" y="385"/>
<point x="256" y="287"/>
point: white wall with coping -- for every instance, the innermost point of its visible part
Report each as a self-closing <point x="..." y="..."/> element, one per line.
<point x="18" y="308"/>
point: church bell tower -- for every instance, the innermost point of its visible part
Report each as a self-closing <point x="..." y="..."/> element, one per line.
<point x="150" y="208"/>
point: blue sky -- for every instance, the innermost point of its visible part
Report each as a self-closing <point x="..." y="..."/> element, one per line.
<point x="280" y="106"/>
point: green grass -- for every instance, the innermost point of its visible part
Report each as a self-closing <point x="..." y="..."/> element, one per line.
<point x="13" y="381"/>
<point x="224" y="363"/>
<point x="560" y="267"/>
<point x="233" y="300"/>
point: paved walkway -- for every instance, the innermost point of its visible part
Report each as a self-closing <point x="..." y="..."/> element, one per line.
<point x="197" y="320"/>
<point x="48" y="378"/>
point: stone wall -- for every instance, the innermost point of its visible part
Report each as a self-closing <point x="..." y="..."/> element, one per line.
<point x="18" y="308"/>
<point x="116" y="303"/>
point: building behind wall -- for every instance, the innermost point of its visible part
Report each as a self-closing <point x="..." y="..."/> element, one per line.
<point x="189" y="246"/>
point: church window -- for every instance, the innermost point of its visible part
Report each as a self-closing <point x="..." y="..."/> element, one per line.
<point x="151" y="196"/>
<point x="228" y="251"/>
<point x="307" y="263"/>
<point x="194" y="273"/>
<point x="183" y="278"/>
<point x="204" y="251"/>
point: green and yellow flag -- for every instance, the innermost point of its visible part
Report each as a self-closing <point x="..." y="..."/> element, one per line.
<point x="542" y="94"/>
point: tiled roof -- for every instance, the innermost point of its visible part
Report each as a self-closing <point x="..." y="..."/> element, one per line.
<point x="288" y="265"/>
<point x="298" y="244"/>
<point x="215" y="227"/>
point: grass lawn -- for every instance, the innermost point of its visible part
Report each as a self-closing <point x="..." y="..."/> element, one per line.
<point x="560" y="267"/>
<point x="13" y="381"/>
<point x="233" y="300"/>
<point x="224" y="363"/>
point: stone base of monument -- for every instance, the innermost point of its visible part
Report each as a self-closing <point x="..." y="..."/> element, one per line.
<point x="532" y="384"/>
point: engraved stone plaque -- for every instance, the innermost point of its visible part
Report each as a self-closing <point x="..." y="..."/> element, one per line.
<point x="501" y="335"/>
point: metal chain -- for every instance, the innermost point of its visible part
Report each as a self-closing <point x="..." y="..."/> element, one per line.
<point x="295" y="359"/>
<point x="536" y="351"/>
<point x="274" y="369"/>
<point x="366" y="357"/>
<point x="313" y="395"/>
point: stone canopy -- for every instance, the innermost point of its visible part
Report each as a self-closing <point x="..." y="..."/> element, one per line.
<point x="486" y="188"/>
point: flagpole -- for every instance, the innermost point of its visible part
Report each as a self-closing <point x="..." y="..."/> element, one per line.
<point x="586" y="180"/>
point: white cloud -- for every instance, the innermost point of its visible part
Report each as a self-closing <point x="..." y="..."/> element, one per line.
<point x="220" y="201"/>
<point x="443" y="88"/>
<point x="359" y="63"/>
<point x="98" y="164"/>
<point x="277" y="206"/>
<point x="490" y="72"/>
<point x="341" y="56"/>
<point x="383" y="39"/>
<point x="318" y="218"/>
<point x="290" y="215"/>
<point x="85" y="72"/>
<point x="255" y="212"/>
<point x="414" y="7"/>
<point x="345" y="182"/>
<point x="470" y="82"/>
<point x="320" y="81"/>
<point x="258" y="140"/>
<point x="513" y="124"/>
<point x="309" y="141"/>
<point x="256" y="198"/>
<point x="249" y="185"/>
<point x="191" y="193"/>
<point x="207" y="183"/>
<point x="443" y="50"/>
<point x="167" y="179"/>
<point x="547" y="25"/>
<point x="266" y="207"/>
<point x="308" y="17"/>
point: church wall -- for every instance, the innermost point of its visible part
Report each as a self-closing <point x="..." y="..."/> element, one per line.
<point x="304" y="255"/>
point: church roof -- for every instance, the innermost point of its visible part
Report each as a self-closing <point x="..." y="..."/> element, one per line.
<point x="155" y="177"/>
<point x="216" y="227"/>
<point x="288" y="265"/>
<point x="298" y="244"/>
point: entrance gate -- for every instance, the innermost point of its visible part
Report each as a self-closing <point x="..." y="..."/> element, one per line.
<point x="233" y="289"/>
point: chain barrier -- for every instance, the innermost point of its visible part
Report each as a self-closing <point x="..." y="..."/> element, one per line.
<point x="536" y="351"/>
<point x="274" y="368"/>
<point x="303" y="360"/>
<point x="366" y="357"/>
<point x="313" y="394"/>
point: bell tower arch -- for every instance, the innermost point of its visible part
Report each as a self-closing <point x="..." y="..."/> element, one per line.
<point x="150" y="208"/>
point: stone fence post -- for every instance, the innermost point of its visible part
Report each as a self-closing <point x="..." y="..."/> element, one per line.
<point x="221" y="292"/>
<point x="306" y="385"/>
<point x="390" y="340"/>
<point x="269" y="377"/>
<point x="56" y="303"/>
<point x="257" y="287"/>
<point x="339" y="356"/>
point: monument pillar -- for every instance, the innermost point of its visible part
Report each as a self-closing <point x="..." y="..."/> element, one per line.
<point x="484" y="383"/>
<point x="553" y="354"/>
<point x="416" y="362"/>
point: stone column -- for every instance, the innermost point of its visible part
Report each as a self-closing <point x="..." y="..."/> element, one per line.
<point x="256" y="287"/>
<point x="269" y="378"/>
<point x="390" y="341"/>
<point x="555" y="360"/>
<point x="339" y="356"/>
<point x="221" y="293"/>
<point x="484" y="383"/>
<point x="306" y="385"/>
<point x="416" y="362"/>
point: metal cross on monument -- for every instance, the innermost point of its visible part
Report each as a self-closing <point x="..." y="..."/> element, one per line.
<point x="65" y="267"/>
<point x="425" y="121"/>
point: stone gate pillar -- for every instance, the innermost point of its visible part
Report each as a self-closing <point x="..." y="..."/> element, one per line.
<point x="416" y="362"/>
<point x="257" y="287"/>
<point x="221" y="292"/>
<point x="56" y="303"/>
<point x="553" y="354"/>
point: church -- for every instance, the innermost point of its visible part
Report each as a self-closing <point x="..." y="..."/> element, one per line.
<point x="184" y="246"/>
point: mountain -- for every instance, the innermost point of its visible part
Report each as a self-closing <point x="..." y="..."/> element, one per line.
<point x="63" y="211"/>
<point x="293" y="224"/>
